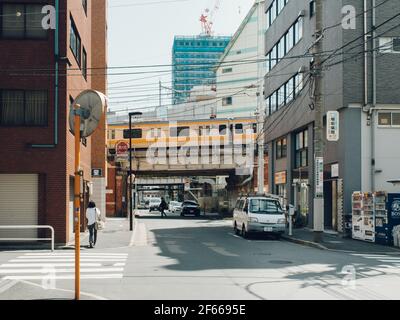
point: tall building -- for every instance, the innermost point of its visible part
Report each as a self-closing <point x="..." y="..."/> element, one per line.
<point x="193" y="61"/>
<point x="360" y="69"/>
<point x="42" y="71"/>
<point x="241" y="68"/>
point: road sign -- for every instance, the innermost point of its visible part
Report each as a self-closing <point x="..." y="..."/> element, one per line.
<point x="122" y="151"/>
<point x="332" y="126"/>
<point x="97" y="172"/>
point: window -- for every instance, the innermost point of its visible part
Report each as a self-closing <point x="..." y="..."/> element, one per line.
<point x="265" y="206"/>
<point x="204" y="131"/>
<point x="274" y="10"/>
<point x="389" y="119"/>
<point x="281" y="97"/>
<point x="238" y="128"/>
<point x="22" y="21"/>
<point x="286" y="43"/>
<point x="227" y="101"/>
<point x="281" y="148"/>
<point x="75" y="42"/>
<point x="85" y="5"/>
<point x="227" y="70"/>
<point x="302" y="149"/>
<point x="84" y="63"/>
<point x="389" y="45"/>
<point x="156" y="133"/>
<point x="135" y="134"/>
<point x="312" y="8"/>
<point x="180" y="132"/>
<point x="111" y="134"/>
<point x="222" y="129"/>
<point x="285" y="94"/>
<point x="396" y="45"/>
<point x="23" y="108"/>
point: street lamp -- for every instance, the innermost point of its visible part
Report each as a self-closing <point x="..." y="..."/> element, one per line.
<point x="131" y="114"/>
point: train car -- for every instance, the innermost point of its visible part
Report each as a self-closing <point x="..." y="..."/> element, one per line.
<point x="177" y="133"/>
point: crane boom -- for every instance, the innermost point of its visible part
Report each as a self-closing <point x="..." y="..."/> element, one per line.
<point x="207" y="18"/>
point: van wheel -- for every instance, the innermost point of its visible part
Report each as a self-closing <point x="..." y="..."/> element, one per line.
<point x="245" y="234"/>
<point x="236" y="230"/>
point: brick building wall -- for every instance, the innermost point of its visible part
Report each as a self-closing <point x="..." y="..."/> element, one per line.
<point x="53" y="163"/>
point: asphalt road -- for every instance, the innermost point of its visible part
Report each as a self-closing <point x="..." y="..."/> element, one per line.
<point x="187" y="258"/>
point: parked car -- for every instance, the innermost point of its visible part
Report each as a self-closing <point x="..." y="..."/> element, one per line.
<point x="154" y="204"/>
<point x="190" y="208"/>
<point x="259" y="214"/>
<point x="175" y="207"/>
<point x="142" y="204"/>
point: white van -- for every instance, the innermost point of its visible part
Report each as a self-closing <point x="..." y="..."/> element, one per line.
<point x="262" y="214"/>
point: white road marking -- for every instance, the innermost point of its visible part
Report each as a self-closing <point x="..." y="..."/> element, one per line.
<point x="174" y="248"/>
<point x="119" y="264"/>
<point x="60" y="265"/>
<point x="72" y="254"/>
<point x="67" y="260"/>
<point x="235" y="235"/>
<point x="69" y="277"/>
<point x="222" y="251"/>
<point x="29" y="265"/>
<point x="41" y="271"/>
<point x="7" y="284"/>
<point x="392" y="260"/>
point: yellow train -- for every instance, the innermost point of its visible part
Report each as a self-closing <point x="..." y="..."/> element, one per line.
<point x="212" y="131"/>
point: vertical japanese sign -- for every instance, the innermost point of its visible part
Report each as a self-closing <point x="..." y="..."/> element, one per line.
<point x="332" y="127"/>
<point x="319" y="177"/>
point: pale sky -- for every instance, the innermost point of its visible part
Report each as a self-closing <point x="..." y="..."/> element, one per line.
<point x="141" y="32"/>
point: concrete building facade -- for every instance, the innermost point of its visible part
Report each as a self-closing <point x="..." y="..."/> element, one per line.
<point x="360" y="69"/>
<point x="241" y="68"/>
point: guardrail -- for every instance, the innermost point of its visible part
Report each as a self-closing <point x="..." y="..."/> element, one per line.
<point x="30" y="239"/>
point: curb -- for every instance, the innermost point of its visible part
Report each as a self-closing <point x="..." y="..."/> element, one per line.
<point x="304" y="242"/>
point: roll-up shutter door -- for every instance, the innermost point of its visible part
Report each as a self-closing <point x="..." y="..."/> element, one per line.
<point x="19" y="198"/>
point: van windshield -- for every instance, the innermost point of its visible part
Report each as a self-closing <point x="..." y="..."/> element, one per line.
<point x="265" y="206"/>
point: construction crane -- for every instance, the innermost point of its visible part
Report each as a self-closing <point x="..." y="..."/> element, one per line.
<point x="207" y="19"/>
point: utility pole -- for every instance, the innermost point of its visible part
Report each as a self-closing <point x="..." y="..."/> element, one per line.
<point x="318" y="130"/>
<point x="260" y="118"/>
<point x="77" y="200"/>
<point x="131" y="114"/>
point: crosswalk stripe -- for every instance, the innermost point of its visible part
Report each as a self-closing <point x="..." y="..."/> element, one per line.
<point x="82" y="253"/>
<point x="65" y="260"/>
<point x="70" y="257"/>
<point x="60" y="266"/>
<point x="45" y="272"/>
<point x="28" y="265"/>
<point x="67" y="277"/>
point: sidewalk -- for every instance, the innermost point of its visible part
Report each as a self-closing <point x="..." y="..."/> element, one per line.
<point x="337" y="243"/>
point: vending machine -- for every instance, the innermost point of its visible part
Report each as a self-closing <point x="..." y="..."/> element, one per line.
<point x="357" y="218"/>
<point x="363" y="221"/>
<point x="368" y="217"/>
<point x="387" y="217"/>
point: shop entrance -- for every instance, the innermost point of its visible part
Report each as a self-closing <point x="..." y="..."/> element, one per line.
<point x="301" y="195"/>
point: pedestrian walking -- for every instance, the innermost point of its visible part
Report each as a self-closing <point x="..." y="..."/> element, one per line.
<point x="94" y="220"/>
<point x="163" y="207"/>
